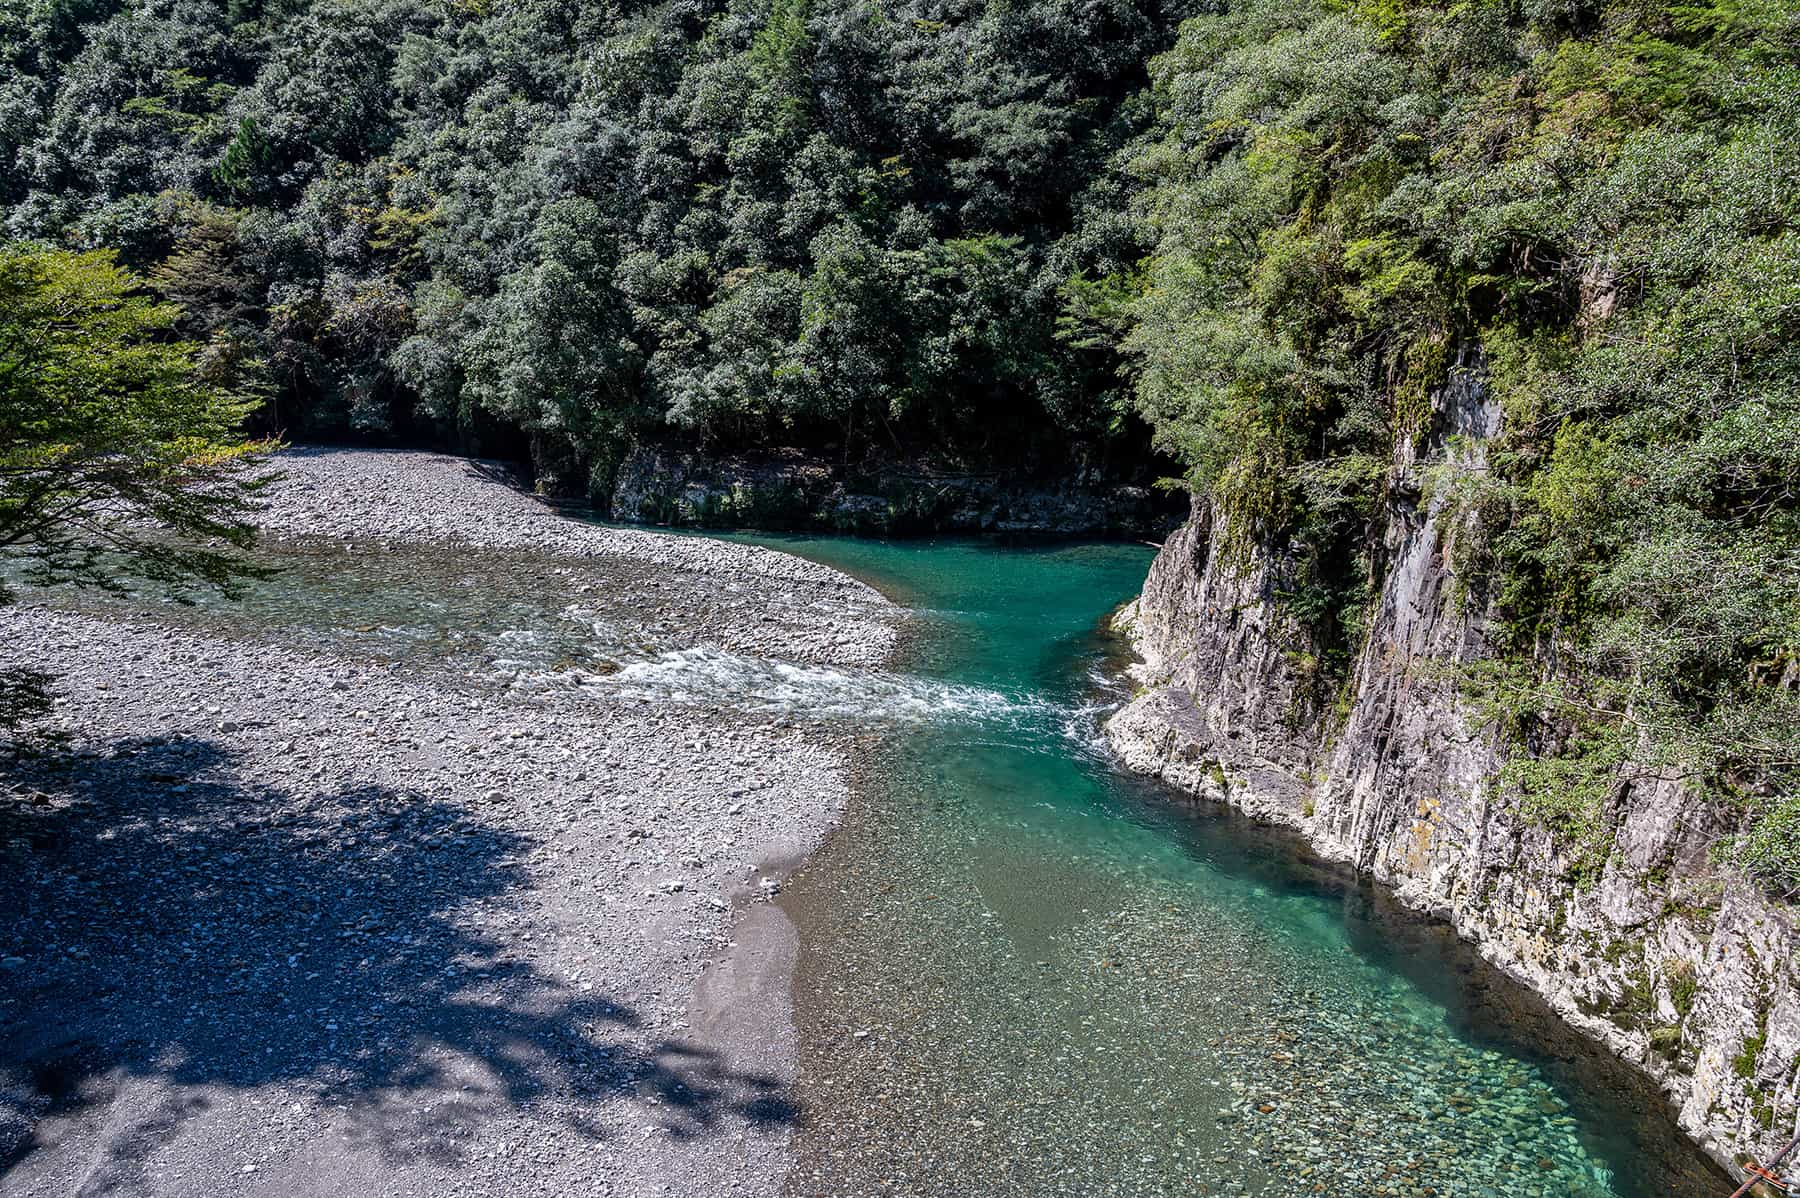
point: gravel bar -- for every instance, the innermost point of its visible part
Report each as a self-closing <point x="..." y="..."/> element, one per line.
<point x="286" y="921"/>
<point x="790" y="607"/>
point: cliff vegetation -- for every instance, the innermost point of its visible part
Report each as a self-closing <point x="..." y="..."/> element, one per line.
<point x="1587" y="211"/>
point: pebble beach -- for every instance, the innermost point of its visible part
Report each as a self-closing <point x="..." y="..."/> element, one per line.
<point x="334" y="918"/>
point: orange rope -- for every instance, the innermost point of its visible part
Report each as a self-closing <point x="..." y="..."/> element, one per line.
<point x="1776" y="1179"/>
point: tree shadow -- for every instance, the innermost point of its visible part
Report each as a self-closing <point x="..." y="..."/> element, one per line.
<point x="163" y="919"/>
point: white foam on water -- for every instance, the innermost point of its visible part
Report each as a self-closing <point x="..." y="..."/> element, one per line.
<point x="758" y="684"/>
<point x="604" y="630"/>
<point x="1084" y="727"/>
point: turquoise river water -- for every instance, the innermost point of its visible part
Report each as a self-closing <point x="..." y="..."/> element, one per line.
<point x="1026" y="973"/>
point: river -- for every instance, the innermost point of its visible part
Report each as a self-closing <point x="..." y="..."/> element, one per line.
<point x="1026" y="973"/>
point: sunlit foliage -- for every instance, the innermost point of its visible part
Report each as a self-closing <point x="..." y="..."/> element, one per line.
<point x="1587" y="211"/>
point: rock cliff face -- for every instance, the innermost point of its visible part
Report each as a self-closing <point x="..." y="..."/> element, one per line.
<point x="792" y="490"/>
<point x="1674" y="961"/>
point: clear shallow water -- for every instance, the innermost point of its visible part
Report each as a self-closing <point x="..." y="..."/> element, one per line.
<point x="1025" y="973"/>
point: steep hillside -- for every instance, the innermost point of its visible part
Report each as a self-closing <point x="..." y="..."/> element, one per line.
<point x="559" y="228"/>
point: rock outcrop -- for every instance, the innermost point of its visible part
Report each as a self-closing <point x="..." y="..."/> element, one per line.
<point x="790" y="490"/>
<point x="1676" y="962"/>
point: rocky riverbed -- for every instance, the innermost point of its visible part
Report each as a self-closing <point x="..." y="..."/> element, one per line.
<point x="742" y="597"/>
<point x="301" y="909"/>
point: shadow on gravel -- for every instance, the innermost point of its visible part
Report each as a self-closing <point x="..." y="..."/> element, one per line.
<point x="161" y="920"/>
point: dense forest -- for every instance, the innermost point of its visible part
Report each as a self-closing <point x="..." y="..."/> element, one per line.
<point x="824" y="225"/>
<point x="1264" y="232"/>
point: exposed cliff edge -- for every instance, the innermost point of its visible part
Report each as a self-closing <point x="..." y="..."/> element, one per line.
<point x="1677" y="963"/>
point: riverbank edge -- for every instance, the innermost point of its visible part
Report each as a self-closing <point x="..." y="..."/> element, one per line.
<point x="1169" y="732"/>
<point x="743" y="1001"/>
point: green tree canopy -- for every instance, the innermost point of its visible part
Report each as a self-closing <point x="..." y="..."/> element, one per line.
<point x="119" y="458"/>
